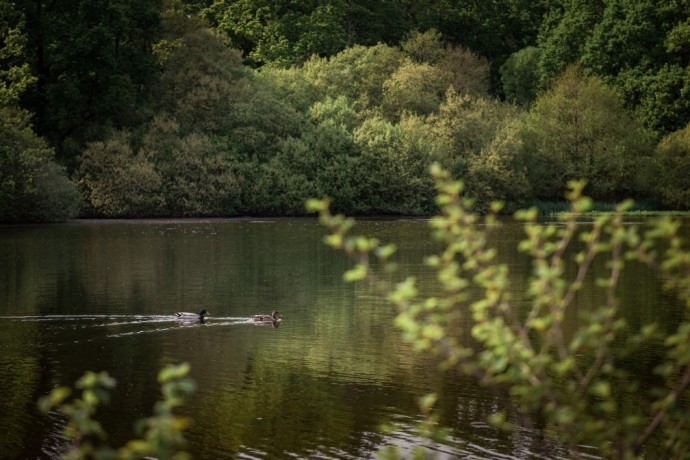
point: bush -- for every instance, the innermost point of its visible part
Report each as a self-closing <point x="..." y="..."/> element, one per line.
<point x="161" y="435"/>
<point x="33" y="187"/>
<point x="572" y="383"/>
<point x="118" y="183"/>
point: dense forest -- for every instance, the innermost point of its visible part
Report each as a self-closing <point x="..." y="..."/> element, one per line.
<point x="162" y="108"/>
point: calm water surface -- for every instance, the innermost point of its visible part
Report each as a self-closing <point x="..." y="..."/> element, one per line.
<point x="100" y="296"/>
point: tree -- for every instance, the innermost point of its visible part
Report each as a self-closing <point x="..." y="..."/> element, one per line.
<point x="580" y="129"/>
<point x="520" y="76"/>
<point x="424" y="47"/>
<point x="466" y="124"/>
<point x="468" y="73"/>
<point x="640" y="49"/>
<point x="321" y="161"/>
<point x="365" y="69"/>
<point x="415" y="88"/>
<point x="15" y="73"/>
<point x="205" y="88"/>
<point x="32" y="186"/>
<point x="118" y="183"/>
<point x="170" y="174"/>
<point x="493" y="30"/>
<point x="293" y="86"/>
<point x="288" y="33"/>
<point x="94" y="64"/>
<point x="673" y="180"/>
<point x="573" y="384"/>
<point x="564" y="35"/>
<point x="389" y="171"/>
<point x="659" y="97"/>
<point x="281" y="34"/>
<point x="499" y="173"/>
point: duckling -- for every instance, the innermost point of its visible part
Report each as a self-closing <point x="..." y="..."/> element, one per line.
<point x="183" y="315"/>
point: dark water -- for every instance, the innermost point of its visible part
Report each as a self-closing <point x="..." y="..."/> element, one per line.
<point x="100" y="295"/>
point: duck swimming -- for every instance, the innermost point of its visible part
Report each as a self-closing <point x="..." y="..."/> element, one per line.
<point x="183" y="315"/>
<point x="272" y="318"/>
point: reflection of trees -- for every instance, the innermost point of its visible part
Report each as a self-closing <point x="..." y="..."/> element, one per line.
<point x="20" y="374"/>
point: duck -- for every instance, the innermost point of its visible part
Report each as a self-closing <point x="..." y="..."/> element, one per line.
<point x="183" y="315"/>
<point x="272" y="318"/>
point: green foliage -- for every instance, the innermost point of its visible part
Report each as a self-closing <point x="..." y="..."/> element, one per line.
<point x="659" y="97"/>
<point x="564" y="34"/>
<point x="32" y="186"/>
<point x="519" y="76"/>
<point x="171" y="174"/>
<point x="673" y="183"/>
<point x="364" y="69"/>
<point x="293" y="86"/>
<point x="499" y="172"/>
<point x="15" y="73"/>
<point x="389" y="170"/>
<point x="637" y="24"/>
<point x="309" y="166"/>
<point x="573" y="382"/>
<point x="111" y="77"/>
<point x="206" y="89"/>
<point x="580" y="129"/>
<point x="415" y="88"/>
<point x="492" y="30"/>
<point x="281" y="34"/>
<point x="468" y="73"/>
<point x="424" y="47"/>
<point x="214" y="120"/>
<point x="161" y="435"/>
<point x="94" y="64"/>
<point x="636" y="47"/>
<point x="118" y="183"/>
<point x="466" y="124"/>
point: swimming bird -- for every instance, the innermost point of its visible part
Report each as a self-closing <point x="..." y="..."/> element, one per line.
<point x="192" y="316"/>
<point x="272" y="318"/>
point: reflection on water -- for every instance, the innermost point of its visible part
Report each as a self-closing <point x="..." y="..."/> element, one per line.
<point x="101" y="296"/>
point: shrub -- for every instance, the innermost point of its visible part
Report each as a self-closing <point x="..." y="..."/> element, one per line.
<point x="33" y="187"/>
<point x="575" y="382"/>
<point x="118" y="183"/>
<point x="161" y="434"/>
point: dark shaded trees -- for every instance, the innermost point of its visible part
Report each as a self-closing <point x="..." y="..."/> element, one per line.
<point x="32" y="186"/>
<point x="640" y="48"/>
<point x="94" y="66"/>
<point x="285" y="33"/>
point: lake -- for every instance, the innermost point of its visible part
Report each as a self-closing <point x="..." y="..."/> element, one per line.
<point x="99" y="295"/>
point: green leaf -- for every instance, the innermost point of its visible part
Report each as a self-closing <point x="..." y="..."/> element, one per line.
<point x="358" y="273"/>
